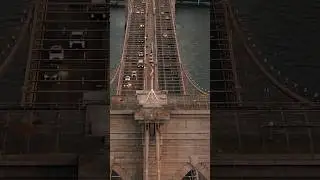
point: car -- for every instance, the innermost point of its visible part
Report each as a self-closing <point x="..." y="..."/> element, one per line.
<point x="141" y="25"/>
<point x="140" y="54"/>
<point x="127" y="85"/>
<point x="55" y="73"/>
<point x="98" y="16"/>
<point x="52" y="73"/>
<point x="165" y="35"/>
<point x="77" y="39"/>
<point x="140" y="63"/>
<point x="167" y="18"/>
<point x="98" y="9"/>
<point x="56" y="52"/>
<point x="134" y="74"/>
<point x="127" y="78"/>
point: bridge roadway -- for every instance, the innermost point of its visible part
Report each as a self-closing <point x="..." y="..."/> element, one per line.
<point x="133" y="50"/>
<point x="84" y="69"/>
<point x="168" y="57"/>
<point x="150" y="36"/>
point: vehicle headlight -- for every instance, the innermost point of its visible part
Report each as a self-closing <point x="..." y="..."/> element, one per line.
<point x="92" y="15"/>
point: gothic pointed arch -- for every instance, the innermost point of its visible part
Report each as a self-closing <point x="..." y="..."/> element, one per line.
<point x="120" y="171"/>
<point x="115" y="175"/>
<point x="204" y="169"/>
<point x="187" y="167"/>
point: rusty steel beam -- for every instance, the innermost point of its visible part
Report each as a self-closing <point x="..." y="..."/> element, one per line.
<point x="70" y="30"/>
<point x="73" y="69"/>
<point x="73" y="21"/>
<point x="58" y="91"/>
<point x="68" y="39"/>
<point x="93" y="60"/>
<point x="72" y="12"/>
<point x="74" y="3"/>
<point x="71" y="80"/>
<point x="44" y="49"/>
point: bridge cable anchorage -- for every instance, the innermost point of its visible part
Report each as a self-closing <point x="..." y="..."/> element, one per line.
<point x="275" y="82"/>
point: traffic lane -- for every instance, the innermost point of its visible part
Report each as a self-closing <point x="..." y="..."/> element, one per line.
<point x="62" y="86"/>
<point x="168" y="70"/>
<point x="69" y="19"/>
<point x="100" y="57"/>
<point x="131" y="64"/>
<point x="83" y="73"/>
<point x="134" y="46"/>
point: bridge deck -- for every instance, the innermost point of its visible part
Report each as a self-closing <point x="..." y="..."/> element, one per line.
<point x="157" y="21"/>
<point x="169" y="67"/>
<point x="133" y="50"/>
<point x="80" y="69"/>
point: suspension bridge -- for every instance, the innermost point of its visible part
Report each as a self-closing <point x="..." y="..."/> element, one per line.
<point x="158" y="124"/>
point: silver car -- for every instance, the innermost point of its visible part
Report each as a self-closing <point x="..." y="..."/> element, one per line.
<point x="77" y="39"/>
<point x="127" y="78"/>
<point x="56" y="53"/>
<point x="127" y="83"/>
<point x="140" y="54"/>
<point x="140" y="63"/>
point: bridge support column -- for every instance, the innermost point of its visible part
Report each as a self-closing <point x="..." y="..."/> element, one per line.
<point x="158" y="150"/>
<point x="146" y="152"/>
